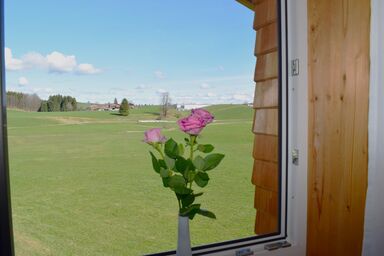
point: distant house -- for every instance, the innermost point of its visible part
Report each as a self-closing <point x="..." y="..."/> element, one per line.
<point x="108" y="107"/>
<point x="185" y="107"/>
<point x="105" y="107"/>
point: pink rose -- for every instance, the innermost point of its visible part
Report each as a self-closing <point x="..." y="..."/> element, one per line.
<point x="154" y="136"/>
<point x="191" y="124"/>
<point x="203" y="114"/>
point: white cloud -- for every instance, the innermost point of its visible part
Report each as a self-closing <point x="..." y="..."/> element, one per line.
<point x="141" y="87"/>
<point x="205" y="86"/>
<point x="10" y="62"/>
<point x="60" y="63"/>
<point x="55" y="62"/>
<point x="33" y="60"/>
<point x="159" y="74"/>
<point x="242" y="97"/>
<point x="161" y="91"/>
<point x="87" y="69"/>
<point x="23" y="81"/>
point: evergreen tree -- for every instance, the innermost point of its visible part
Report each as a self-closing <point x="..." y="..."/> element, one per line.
<point x="115" y="102"/>
<point x="124" y="108"/>
<point x="43" y="106"/>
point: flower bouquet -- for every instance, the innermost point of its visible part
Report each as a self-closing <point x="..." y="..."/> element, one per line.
<point x="183" y="165"/>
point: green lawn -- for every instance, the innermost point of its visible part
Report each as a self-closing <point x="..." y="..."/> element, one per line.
<point x="82" y="183"/>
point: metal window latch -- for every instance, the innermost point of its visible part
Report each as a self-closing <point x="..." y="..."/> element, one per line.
<point x="295" y="67"/>
<point x="244" y="252"/>
<point x="278" y="245"/>
<point x="295" y="156"/>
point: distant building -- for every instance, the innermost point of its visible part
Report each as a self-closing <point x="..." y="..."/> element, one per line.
<point x="108" y="107"/>
<point x="186" y="107"/>
<point x="105" y="107"/>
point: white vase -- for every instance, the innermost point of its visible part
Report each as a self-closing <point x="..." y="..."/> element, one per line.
<point x="183" y="238"/>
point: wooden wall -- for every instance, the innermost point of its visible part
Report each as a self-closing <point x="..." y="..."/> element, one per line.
<point x="338" y="127"/>
<point x="265" y="152"/>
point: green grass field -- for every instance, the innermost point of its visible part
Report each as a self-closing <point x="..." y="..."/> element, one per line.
<point x="82" y="183"/>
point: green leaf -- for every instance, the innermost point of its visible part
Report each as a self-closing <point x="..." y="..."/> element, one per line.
<point x="201" y="179"/>
<point x="190" y="165"/>
<point x="164" y="173"/>
<point x="183" y="190"/>
<point x="199" y="162"/>
<point x="181" y="149"/>
<point x="190" y="211"/>
<point x="211" y="161"/>
<point x="169" y="162"/>
<point x="177" y="181"/>
<point x="155" y="163"/>
<point x="181" y="164"/>
<point x="207" y="148"/>
<point x="162" y="164"/>
<point x="178" y="184"/>
<point x="166" y="182"/>
<point x="171" y="149"/>
<point x="199" y="194"/>
<point x="189" y="175"/>
<point x="187" y="200"/>
<point x="206" y="213"/>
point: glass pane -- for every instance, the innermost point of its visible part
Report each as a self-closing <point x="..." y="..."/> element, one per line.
<point x="81" y="177"/>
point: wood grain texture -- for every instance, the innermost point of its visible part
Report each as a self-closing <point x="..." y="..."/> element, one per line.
<point x="265" y="175"/>
<point x="266" y="201"/>
<point x="265" y="151"/>
<point x="265" y="13"/>
<point x="266" y="67"/>
<point x="338" y="126"/>
<point x="266" y="40"/>
<point x="265" y="147"/>
<point x="266" y="94"/>
<point x="266" y="121"/>
<point x="265" y="223"/>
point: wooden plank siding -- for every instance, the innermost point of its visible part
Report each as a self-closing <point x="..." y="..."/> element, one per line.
<point x="266" y="40"/>
<point x="265" y="126"/>
<point x="266" y="175"/>
<point x="266" y="94"/>
<point x="266" y="148"/>
<point x="338" y="56"/>
<point x="267" y="67"/>
<point x="266" y="121"/>
<point x="265" y="13"/>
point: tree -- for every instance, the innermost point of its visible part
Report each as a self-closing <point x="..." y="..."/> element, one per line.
<point x="19" y="100"/>
<point x="165" y="103"/>
<point x="124" y="107"/>
<point x="115" y="102"/>
<point x="57" y="103"/>
<point x="44" y="106"/>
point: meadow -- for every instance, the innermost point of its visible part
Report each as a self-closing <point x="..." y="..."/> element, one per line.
<point x="82" y="183"/>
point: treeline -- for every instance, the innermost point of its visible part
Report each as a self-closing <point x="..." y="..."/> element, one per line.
<point x="23" y="101"/>
<point x="58" y="103"/>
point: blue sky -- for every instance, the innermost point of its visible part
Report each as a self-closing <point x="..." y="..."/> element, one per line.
<point x="199" y="51"/>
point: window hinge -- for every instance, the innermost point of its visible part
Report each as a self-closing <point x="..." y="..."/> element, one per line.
<point x="244" y="252"/>
<point x="278" y="245"/>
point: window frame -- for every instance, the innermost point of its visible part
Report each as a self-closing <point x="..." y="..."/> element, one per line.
<point x="6" y="231"/>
